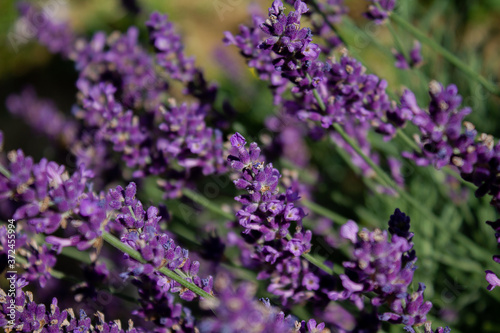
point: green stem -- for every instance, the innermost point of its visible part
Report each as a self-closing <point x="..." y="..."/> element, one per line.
<point x="347" y="159"/>
<point x="397" y="42"/>
<point x="413" y="145"/>
<point x="131" y="211"/>
<point x="490" y="86"/>
<point x="320" y="210"/>
<point x="459" y="178"/>
<point x="4" y="171"/>
<point x="137" y="256"/>
<point x="63" y="276"/>
<point x="381" y="175"/>
<point x="325" y="18"/>
<point x="206" y="203"/>
<point x="316" y="262"/>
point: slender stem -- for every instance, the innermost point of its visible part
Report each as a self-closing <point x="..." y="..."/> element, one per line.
<point x="459" y="178"/>
<point x="347" y="159"/>
<point x="385" y="179"/>
<point x="316" y="262"/>
<point x="131" y="211"/>
<point x="318" y="99"/>
<point x="63" y="276"/>
<point x="397" y="42"/>
<point x="417" y="329"/>
<point x="4" y="171"/>
<point x="206" y="203"/>
<point x="315" y="5"/>
<point x="73" y="253"/>
<point x="137" y="256"/>
<point x="488" y="85"/>
<point x="413" y="145"/>
<point x="320" y="210"/>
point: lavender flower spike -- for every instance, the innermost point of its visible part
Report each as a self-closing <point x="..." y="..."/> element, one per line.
<point x="266" y="216"/>
<point x="384" y="266"/>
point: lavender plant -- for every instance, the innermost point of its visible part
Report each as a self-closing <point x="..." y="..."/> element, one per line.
<point x="168" y="202"/>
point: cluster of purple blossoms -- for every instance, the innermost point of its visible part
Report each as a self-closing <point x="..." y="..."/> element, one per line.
<point x="57" y="36"/>
<point x="116" y="76"/>
<point x="48" y="199"/>
<point x="116" y="59"/>
<point x="379" y="10"/>
<point x="260" y="60"/>
<point x="351" y="97"/>
<point x="40" y="261"/>
<point x="415" y="57"/>
<point x="179" y="134"/>
<point x="441" y="138"/>
<point x="43" y="116"/>
<point x="188" y="140"/>
<point x="292" y="44"/>
<point x="386" y="268"/>
<point x="51" y="200"/>
<point x="261" y="181"/>
<point x="266" y="216"/>
<point x="119" y="60"/>
<point x="45" y="197"/>
<point x="171" y="57"/>
<point x="381" y="266"/>
<point x="238" y="311"/>
<point x="112" y="123"/>
<point x="45" y="191"/>
<point x="141" y="231"/>
<point x="32" y="317"/>
<point x="447" y="140"/>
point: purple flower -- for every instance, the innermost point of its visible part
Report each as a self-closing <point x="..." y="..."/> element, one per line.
<point x="310" y="282"/>
<point x="492" y="279"/>
<point x="380" y="10"/>
<point x="399" y="224"/>
<point x="349" y="231"/>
